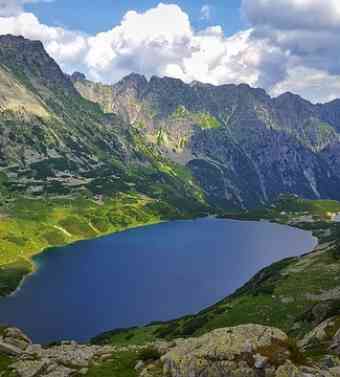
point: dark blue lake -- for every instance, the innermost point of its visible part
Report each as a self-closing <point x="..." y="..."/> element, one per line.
<point x="152" y="273"/>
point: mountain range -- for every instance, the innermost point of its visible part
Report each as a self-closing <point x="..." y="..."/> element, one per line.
<point x="223" y="146"/>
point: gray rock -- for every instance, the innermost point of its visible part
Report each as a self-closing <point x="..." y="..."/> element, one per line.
<point x="28" y="368"/>
<point x="260" y="361"/>
<point x="9" y="349"/>
<point x="335" y="371"/>
<point x="139" y="365"/>
<point x="60" y="371"/>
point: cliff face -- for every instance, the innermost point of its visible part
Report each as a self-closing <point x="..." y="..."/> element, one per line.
<point x="94" y="92"/>
<point x="244" y="147"/>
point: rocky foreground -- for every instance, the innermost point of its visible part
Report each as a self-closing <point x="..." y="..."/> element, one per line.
<point x="242" y="351"/>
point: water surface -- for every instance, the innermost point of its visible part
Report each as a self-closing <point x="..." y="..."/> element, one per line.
<point x="151" y="273"/>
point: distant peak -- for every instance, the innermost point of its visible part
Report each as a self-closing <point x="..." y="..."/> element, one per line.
<point x="78" y="76"/>
<point x="134" y="77"/>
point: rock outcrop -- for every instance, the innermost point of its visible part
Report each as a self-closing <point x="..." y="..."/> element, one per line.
<point x="63" y="360"/>
<point x="241" y="351"/>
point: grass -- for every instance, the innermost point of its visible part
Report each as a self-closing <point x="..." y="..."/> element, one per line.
<point x="29" y="226"/>
<point x="5" y="362"/>
<point x="122" y="365"/>
<point x="202" y="119"/>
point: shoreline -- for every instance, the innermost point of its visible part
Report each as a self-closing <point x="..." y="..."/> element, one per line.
<point x="35" y="267"/>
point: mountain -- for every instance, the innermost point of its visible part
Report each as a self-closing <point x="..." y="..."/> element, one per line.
<point x="54" y="141"/>
<point x="244" y="147"/>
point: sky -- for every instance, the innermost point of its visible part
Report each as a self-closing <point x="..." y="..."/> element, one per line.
<point x="279" y="45"/>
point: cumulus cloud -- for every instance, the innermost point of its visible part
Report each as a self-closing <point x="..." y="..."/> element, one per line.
<point x="289" y="45"/>
<point x="293" y="14"/>
<point x="307" y="32"/>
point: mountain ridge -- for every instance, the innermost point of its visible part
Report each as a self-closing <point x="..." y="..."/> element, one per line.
<point x="168" y="111"/>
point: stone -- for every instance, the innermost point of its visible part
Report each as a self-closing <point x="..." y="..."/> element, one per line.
<point x="288" y="370"/>
<point x="335" y="371"/>
<point x="60" y="371"/>
<point x="34" y="349"/>
<point x="83" y="371"/>
<point x="16" y="338"/>
<point x="29" y="368"/>
<point x="9" y="349"/>
<point x="223" y="352"/>
<point x="260" y="361"/>
<point x="335" y="346"/>
<point x="139" y="365"/>
<point x="329" y="361"/>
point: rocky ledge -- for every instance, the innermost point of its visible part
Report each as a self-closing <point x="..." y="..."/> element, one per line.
<point x="242" y="351"/>
<point x="63" y="360"/>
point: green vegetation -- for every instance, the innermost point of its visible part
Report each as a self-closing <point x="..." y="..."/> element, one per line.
<point x="5" y="362"/>
<point x="121" y="365"/>
<point x="202" y="119"/>
<point x="149" y="353"/>
<point x="207" y="121"/>
<point x="12" y="274"/>
<point x="29" y="226"/>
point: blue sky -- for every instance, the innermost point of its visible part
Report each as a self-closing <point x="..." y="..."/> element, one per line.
<point x="278" y="45"/>
<point x="95" y="16"/>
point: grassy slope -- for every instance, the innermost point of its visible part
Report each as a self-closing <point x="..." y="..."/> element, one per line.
<point x="289" y="294"/>
<point x="29" y="226"/>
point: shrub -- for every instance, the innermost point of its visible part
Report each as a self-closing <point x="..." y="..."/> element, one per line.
<point x="148" y="354"/>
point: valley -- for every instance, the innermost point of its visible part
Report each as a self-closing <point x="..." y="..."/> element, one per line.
<point x="80" y="160"/>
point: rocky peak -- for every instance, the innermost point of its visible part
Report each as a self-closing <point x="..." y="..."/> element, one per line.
<point x="133" y="84"/>
<point x="77" y="76"/>
<point x="294" y="101"/>
<point x="30" y="58"/>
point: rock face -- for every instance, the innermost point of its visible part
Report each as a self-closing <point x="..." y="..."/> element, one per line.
<point x="95" y="92"/>
<point x="243" y="146"/>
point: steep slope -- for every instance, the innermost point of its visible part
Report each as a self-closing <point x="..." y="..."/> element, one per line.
<point x="244" y="147"/>
<point x="68" y="171"/>
<point x="52" y="140"/>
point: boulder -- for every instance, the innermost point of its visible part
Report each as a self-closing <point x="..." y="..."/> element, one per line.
<point x="16" y="338"/>
<point x="10" y="350"/>
<point x="30" y="368"/>
<point x="288" y="369"/>
<point x="233" y="352"/>
<point x="335" y="346"/>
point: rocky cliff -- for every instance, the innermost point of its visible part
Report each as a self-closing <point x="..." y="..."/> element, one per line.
<point x="244" y="147"/>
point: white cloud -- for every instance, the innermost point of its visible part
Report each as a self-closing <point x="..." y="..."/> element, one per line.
<point x="290" y="45"/>
<point x="293" y="14"/>
<point x="307" y="33"/>
<point x="206" y="12"/>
